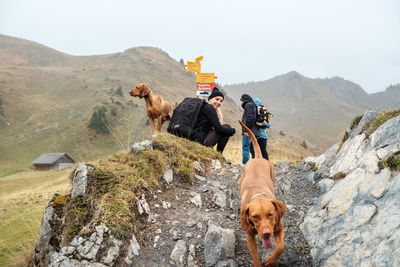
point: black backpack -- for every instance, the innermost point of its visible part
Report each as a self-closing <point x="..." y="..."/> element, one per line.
<point x="185" y="116"/>
<point x="262" y="117"/>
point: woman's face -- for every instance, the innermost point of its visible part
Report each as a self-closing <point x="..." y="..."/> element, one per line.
<point x="216" y="102"/>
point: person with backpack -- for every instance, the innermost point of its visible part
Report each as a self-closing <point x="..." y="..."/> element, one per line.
<point x="208" y="129"/>
<point x="264" y="124"/>
<point x="249" y="119"/>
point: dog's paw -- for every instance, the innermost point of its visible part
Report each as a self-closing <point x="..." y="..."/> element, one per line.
<point x="269" y="261"/>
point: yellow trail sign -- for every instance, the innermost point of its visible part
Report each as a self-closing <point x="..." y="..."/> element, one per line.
<point x="198" y="59"/>
<point x="205" y="77"/>
<point x="193" y="66"/>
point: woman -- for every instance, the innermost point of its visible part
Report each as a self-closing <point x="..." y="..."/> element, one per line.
<point x="208" y="129"/>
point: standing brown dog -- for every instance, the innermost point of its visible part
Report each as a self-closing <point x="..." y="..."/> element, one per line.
<point x="261" y="214"/>
<point x="156" y="107"/>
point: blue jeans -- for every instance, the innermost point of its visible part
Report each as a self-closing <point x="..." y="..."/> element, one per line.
<point x="246" y="142"/>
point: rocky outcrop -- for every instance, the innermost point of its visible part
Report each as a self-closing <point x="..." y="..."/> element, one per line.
<point x="177" y="224"/>
<point x="356" y="222"/>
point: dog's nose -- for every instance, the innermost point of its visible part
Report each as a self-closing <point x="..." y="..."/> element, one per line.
<point x="266" y="233"/>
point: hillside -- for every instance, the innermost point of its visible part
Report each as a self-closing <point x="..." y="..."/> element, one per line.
<point x="315" y="110"/>
<point x="47" y="99"/>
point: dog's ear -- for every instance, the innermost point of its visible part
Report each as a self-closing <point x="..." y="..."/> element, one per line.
<point x="280" y="208"/>
<point x="244" y="217"/>
<point x="143" y="89"/>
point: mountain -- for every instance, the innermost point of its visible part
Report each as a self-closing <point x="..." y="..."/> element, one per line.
<point x="47" y="99"/>
<point x="389" y="99"/>
<point x="316" y="110"/>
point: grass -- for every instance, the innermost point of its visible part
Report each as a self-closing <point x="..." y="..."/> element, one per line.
<point x="380" y="119"/>
<point x="23" y="197"/>
<point x="393" y="162"/>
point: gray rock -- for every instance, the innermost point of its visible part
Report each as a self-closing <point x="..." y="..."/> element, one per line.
<point x="143" y="206"/>
<point x="216" y="164"/>
<point x="192" y="257"/>
<point x="219" y="244"/>
<point x="226" y="263"/>
<point x="369" y="115"/>
<point x="43" y="247"/>
<point x="137" y="147"/>
<point x="79" y="182"/>
<point x="196" y="200"/>
<point x="325" y="185"/>
<point x="168" y="176"/>
<point x="133" y="250"/>
<point x="356" y="223"/>
<point x="113" y="252"/>
<point x="198" y="168"/>
<point x="283" y="166"/>
<point x="178" y="253"/>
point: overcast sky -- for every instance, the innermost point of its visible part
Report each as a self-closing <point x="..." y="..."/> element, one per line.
<point x="241" y="41"/>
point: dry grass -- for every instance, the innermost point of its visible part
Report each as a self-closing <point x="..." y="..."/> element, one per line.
<point x="277" y="151"/>
<point x="23" y="197"/>
<point x="382" y="117"/>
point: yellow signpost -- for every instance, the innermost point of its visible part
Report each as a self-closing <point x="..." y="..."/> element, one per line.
<point x="193" y="66"/>
<point x="205" y="77"/>
<point x="198" y="59"/>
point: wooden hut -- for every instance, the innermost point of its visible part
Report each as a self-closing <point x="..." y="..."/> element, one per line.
<point x="53" y="161"/>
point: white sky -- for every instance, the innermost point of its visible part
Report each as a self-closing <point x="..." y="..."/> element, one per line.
<point x="241" y="41"/>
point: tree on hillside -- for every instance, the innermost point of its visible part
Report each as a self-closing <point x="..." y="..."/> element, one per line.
<point x="304" y="144"/>
<point x="119" y="91"/>
<point x="99" y="122"/>
<point x="182" y="61"/>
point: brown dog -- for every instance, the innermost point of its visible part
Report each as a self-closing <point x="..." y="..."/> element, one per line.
<point x="260" y="213"/>
<point x="156" y="107"/>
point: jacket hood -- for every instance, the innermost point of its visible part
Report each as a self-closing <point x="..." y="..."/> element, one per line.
<point x="246" y="98"/>
<point x="257" y="101"/>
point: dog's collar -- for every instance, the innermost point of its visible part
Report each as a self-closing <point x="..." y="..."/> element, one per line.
<point x="259" y="194"/>
<point x="147" y="95"/>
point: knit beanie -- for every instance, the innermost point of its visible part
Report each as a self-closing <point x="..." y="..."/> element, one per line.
<point x="215" y="92"/>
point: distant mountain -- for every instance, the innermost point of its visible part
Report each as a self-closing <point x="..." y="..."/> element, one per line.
<point x="317" y="110"/>
<point x="389" y="99"/>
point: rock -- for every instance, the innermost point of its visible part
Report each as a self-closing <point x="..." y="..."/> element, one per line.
<point x="137" y="147"/>
<point x="357" y="221"/>
<point x="369" y="115"/>
<point x="219" y="244"/>
<point x="325" y="185"/>
<point x="282" y="166"/>
<point x="192" y="256"/>
<point x="216" y="164"/>
<point x="198" y="168"/>
<point x="178" y="253"/>
<point x="133" y="250"/>
<point x="50" y="219"/>
<point x="168" y="176"/>
<point x="226" y="263"/>
<point x="166" y="205"/>
<point x="196" y="200"/>
<point x="113" y="252"/>
<point x="201" y="178"/>
<point x="79" y="182"/>
<point x="143" y="206"/>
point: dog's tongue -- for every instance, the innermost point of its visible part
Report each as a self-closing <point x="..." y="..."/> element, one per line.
<point x="267" y="243"/>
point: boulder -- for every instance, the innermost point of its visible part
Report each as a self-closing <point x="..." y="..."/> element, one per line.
<point x="219" y="244"/>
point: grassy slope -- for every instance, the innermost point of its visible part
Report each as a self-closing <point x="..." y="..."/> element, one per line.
<point x="23" y="197"/>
